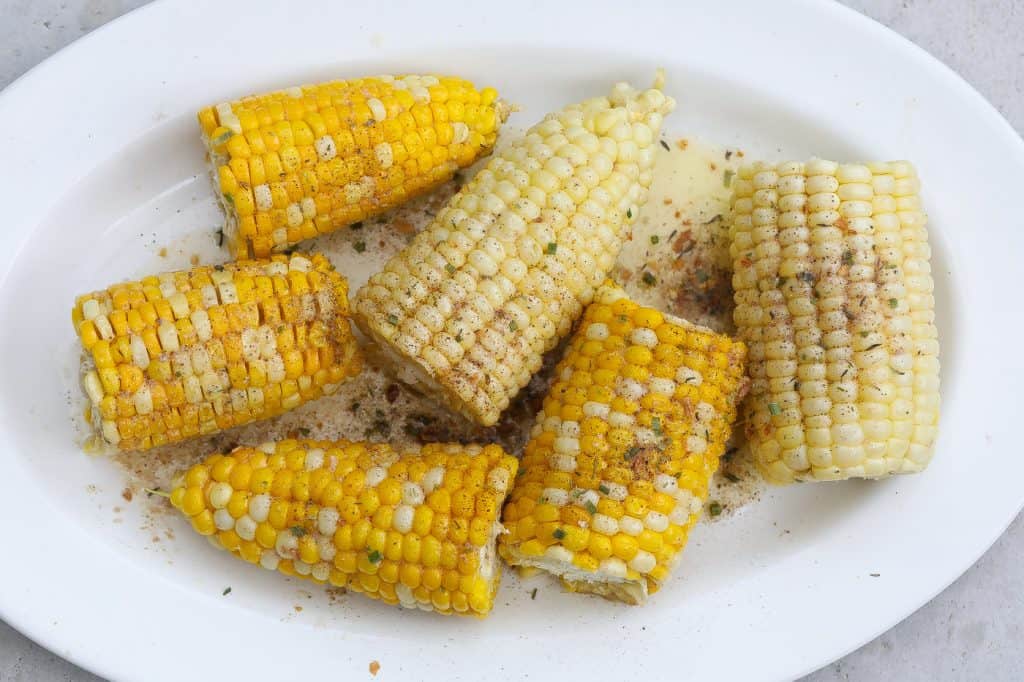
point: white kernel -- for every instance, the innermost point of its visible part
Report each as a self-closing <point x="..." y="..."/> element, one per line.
<point x="264" y="200"/>
<point x="402" y="518"/>
<point x="301" y="567"/>
<point x="412" y="494"/>
<point x="620" y="420"/>
<point x="597" y="331"/>
<point x="566" y="446"/>
<point x="325" y="547"/>
<point x="595" y="409"/>
<point x="143" y="400"/>
<point x="110" y="432"/>
<point x="209" y="295"/>
<point x="616" y="491"/>
<point x="287" y="544"/>
<point x="630" y="389"/>
<point x="613" y="567"/>
<point x="314" y="459"/>
<point x="560" y="462"/>
<point x="220" y="494"/>
<point x="644" y="562"/>
<point x="680" y="515"/>
<point x="90" y="309"/>
<point x="228" y="293"/>
<point x="497" y="479"/>
<point x="293" y="214"/>
<point x="327" y="521"/>
<point x="555" y="496"/>
<point x="245" y="527"/>
<point x="377" y="109"/>
<point x="93" y="386"/>
<point x="642" y="336"/>
<point x="656" y="521"/>
<point x="695" y="445"/>
<point x="685" y="375"/>
<point x="604" y="524"/>
<point x="405" y="595"/>
<point x="269" y="560"/>
<point x="375" y="475"/>
<point x="179" y="305"/>
<point x="588" y="500"/>
<point x="385" y="155"/>
<point x="662" y="386"/>
<point x="664" y="483"/>
<point x="631" y="525"/>
<point x="432" y="479"/>
<point x="168" y="335"/>
<point x="222" y="520"/>
<point x="460" y="132"/>
<point x="259" y="507"/>
<point x="559" y="554"/>
<point x="321" y="570"/>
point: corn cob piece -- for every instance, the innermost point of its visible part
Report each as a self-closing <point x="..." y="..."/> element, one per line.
<point x="415" y="528"/>
<point x="834" y="299"/>
<point x="621" y="456"/>
<point x="301" y="162"/>
<point x="187" y="353"/>
<point x="467" y="310"/>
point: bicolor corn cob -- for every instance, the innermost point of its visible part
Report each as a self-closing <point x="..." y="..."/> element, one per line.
<point x="415" y="528"/>
<point x="620" y="459"/>
<point x="294" y="164"/>
<point x="834" y="299"/>
<point x="468" y="309"/>
<point x="187" y="353"/>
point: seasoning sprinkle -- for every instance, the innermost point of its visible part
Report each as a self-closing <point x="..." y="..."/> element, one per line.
<point x="359" y="247"/>
<point x="774" y="409"/>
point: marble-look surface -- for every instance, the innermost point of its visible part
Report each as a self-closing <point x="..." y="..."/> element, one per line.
<point x="972" y="630"/>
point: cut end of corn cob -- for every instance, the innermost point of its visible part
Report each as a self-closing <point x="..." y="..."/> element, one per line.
<point x="293" y="164"/>
<point x="467" y="311"/>
<point x="415" y="528"/>
<point x="834" y="299"/>
<point x="187" y="353"/>
<point x="621" y="456"/>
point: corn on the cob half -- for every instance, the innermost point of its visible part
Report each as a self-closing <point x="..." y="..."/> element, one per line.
<point x="415" y="528"/>
<point x="834" y="299"/>
<point x="620" y="458"/>
<point x="467" y="310"/>
<point x="293" y="164"/>
<point x="187" y="353"/>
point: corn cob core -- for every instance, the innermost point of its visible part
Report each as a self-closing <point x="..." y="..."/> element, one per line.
<point x="415" y="528"/>
<point x="468" y="309"/>
<point x="622" y="453"/>
<point x="187" y="353"/>
<point x="293" y="164"/>
<point x="834" y="299"/>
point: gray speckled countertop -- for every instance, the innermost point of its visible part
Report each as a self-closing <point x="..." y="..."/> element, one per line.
<point x="972" y="630"/>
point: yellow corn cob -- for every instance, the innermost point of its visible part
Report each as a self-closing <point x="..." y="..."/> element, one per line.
<point x="187" y="353"/>
<point x="415" y="528"/>
<point x="467" y="310"/>
<point x="622" y="453"/>
<point x="834" y="299"/>
<point x="293" y="164"/>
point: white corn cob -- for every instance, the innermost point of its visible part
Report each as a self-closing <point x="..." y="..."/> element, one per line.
<point x="467" y="310"/>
